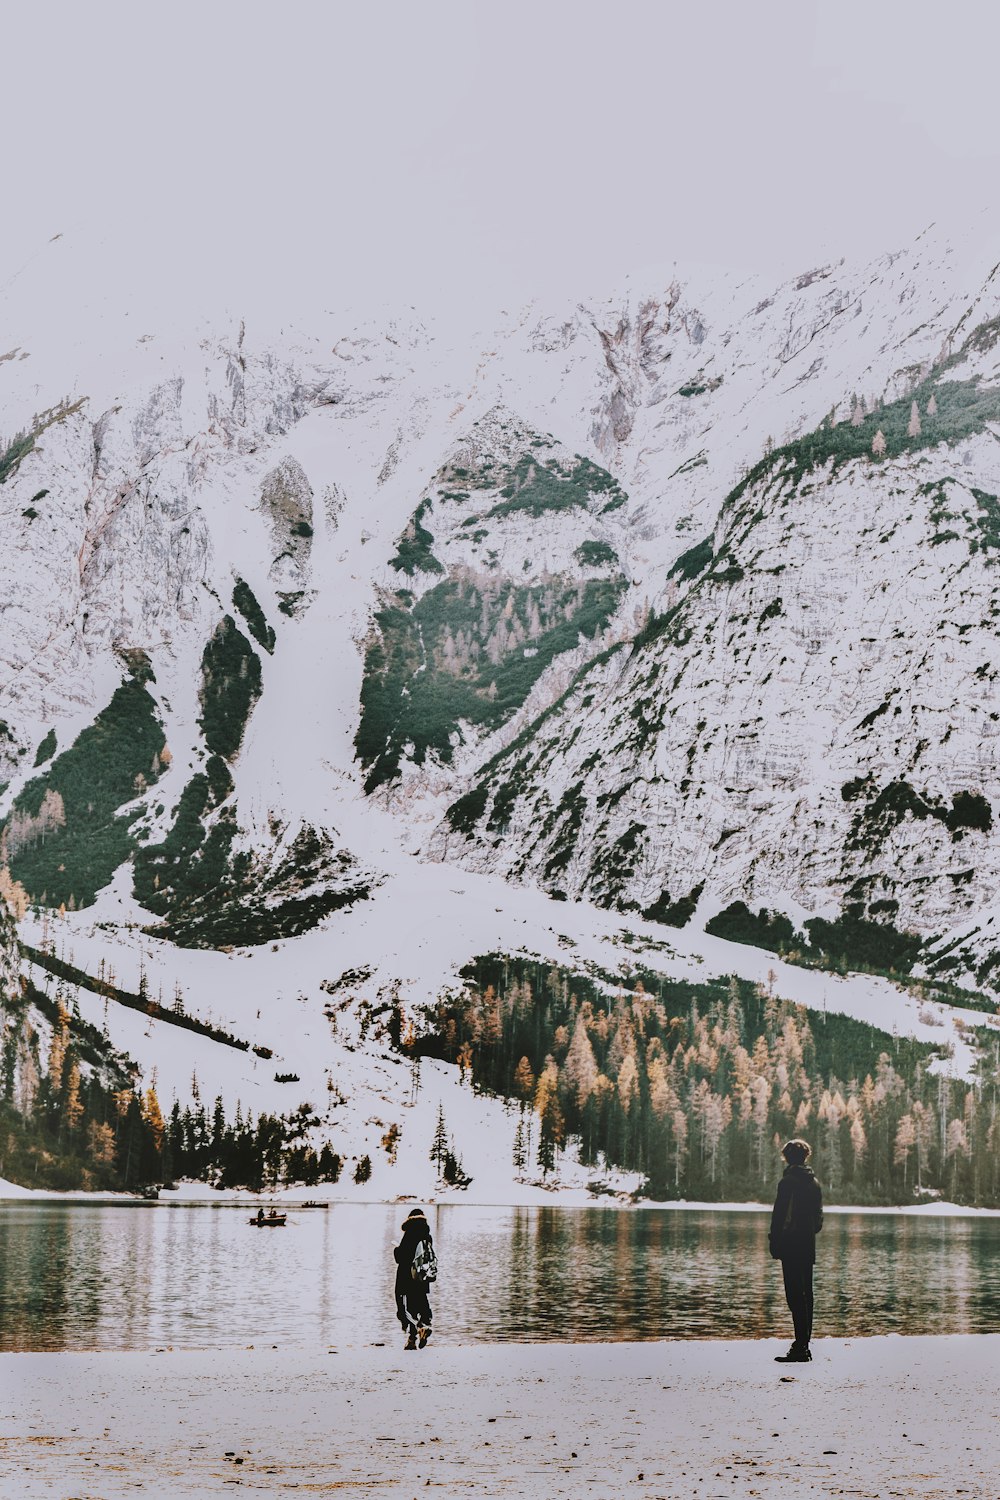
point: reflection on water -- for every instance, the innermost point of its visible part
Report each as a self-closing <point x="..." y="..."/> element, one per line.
<point x="125" y="1277"/>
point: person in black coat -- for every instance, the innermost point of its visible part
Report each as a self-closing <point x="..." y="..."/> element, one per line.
<point x="413" y="1308"/>
<point x="796" y="1220"/>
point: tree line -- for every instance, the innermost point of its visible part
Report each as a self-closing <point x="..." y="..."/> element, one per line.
<point x="696" y="1086"/>
<point x="73" y="1116"/>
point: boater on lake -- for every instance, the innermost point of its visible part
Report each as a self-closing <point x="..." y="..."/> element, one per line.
<point x="796" y="1220"/>
<point x="416" y="1268"/>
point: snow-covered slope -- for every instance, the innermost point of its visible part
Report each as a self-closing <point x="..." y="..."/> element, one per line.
<point x="314" y="1010"/>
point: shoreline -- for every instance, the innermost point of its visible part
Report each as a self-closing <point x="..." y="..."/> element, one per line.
<point x="200" y="1195"/>
<point x="659" y="1420"/>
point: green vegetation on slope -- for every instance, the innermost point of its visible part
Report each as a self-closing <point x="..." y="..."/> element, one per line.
<point x="254" y="903"/>
<point x="694" y="561"/>
<point x="851" y="941"/>
<point x="210" y="896"/>
<point x="65" y="836"/>
<point x="231" y="685"/>
<point x="193" y="859"/>
<point x="537" y="485"/>
<point x="471" y="649"/>
<point x="46" y="749"/>
<point x="963" y="408"/>
<point x="245" y="601"/>
<point x="883" y="808"/>
<point x="415" y="550"/>
<point x="21" y="444"/>
<point x="596" y="555"/>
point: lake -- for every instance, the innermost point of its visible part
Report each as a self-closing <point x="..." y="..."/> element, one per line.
<point x="135" y="1276"/>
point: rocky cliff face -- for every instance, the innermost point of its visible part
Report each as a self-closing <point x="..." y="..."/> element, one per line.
<point x="813" y="719"/>
<point x="624" y="587"/>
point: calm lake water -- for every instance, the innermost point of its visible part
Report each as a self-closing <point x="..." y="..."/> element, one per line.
<point x="143" y="1276"/>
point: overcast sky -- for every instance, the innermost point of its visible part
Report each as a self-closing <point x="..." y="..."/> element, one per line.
<point x="438" y="151"/>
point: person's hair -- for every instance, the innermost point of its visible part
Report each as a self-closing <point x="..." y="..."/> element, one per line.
<point x="796" y="1153"/>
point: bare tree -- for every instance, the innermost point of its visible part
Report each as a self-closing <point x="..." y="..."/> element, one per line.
<point x="913" y="427"/>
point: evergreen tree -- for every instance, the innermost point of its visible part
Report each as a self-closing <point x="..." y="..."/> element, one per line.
<point x="439" y="1145"/>
<point x="218" y="1128"/>
<point x="329" y="1164"/>
<point x="519" y="1155"/>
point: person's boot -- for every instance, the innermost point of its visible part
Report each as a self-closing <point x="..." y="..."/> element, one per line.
<point x="798" y="1354"/>
<point x="423" y="1334"/>
<point x="411" y="1339"/>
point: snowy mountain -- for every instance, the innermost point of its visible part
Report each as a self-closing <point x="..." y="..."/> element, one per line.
<point x="811" y="719"/>
<point x="654" y="604"/>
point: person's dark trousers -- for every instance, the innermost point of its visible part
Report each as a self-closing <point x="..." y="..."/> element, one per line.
<point x="418" y="1303"/>
<point x="401" y="1312"/>
<point x="413" y="1308"/>
<point x="798" y="1279"/>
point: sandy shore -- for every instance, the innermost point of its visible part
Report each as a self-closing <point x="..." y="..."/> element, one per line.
<point x="875" y="1418"/>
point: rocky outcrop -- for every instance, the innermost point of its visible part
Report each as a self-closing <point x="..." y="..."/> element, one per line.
<point x="287" y="500"/>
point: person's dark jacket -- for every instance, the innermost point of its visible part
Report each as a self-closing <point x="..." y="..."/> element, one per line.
<point x="414" y="1230"/>
<point x="797" y="1217"/>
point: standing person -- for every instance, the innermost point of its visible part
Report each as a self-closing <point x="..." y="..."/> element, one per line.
<point x="416" y="1268"/>
<point x="796" y="1220"/>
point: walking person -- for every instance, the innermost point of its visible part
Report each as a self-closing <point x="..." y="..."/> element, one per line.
<point x="796" y="1220"/>
<point x="416" y="1268"/>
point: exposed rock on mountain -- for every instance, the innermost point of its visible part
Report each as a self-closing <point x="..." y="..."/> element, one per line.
<point x="813" y="719"/>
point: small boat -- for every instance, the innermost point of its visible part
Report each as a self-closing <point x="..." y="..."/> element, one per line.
<point x="269" y="1221"/>
<point x="311" y="1204"/>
